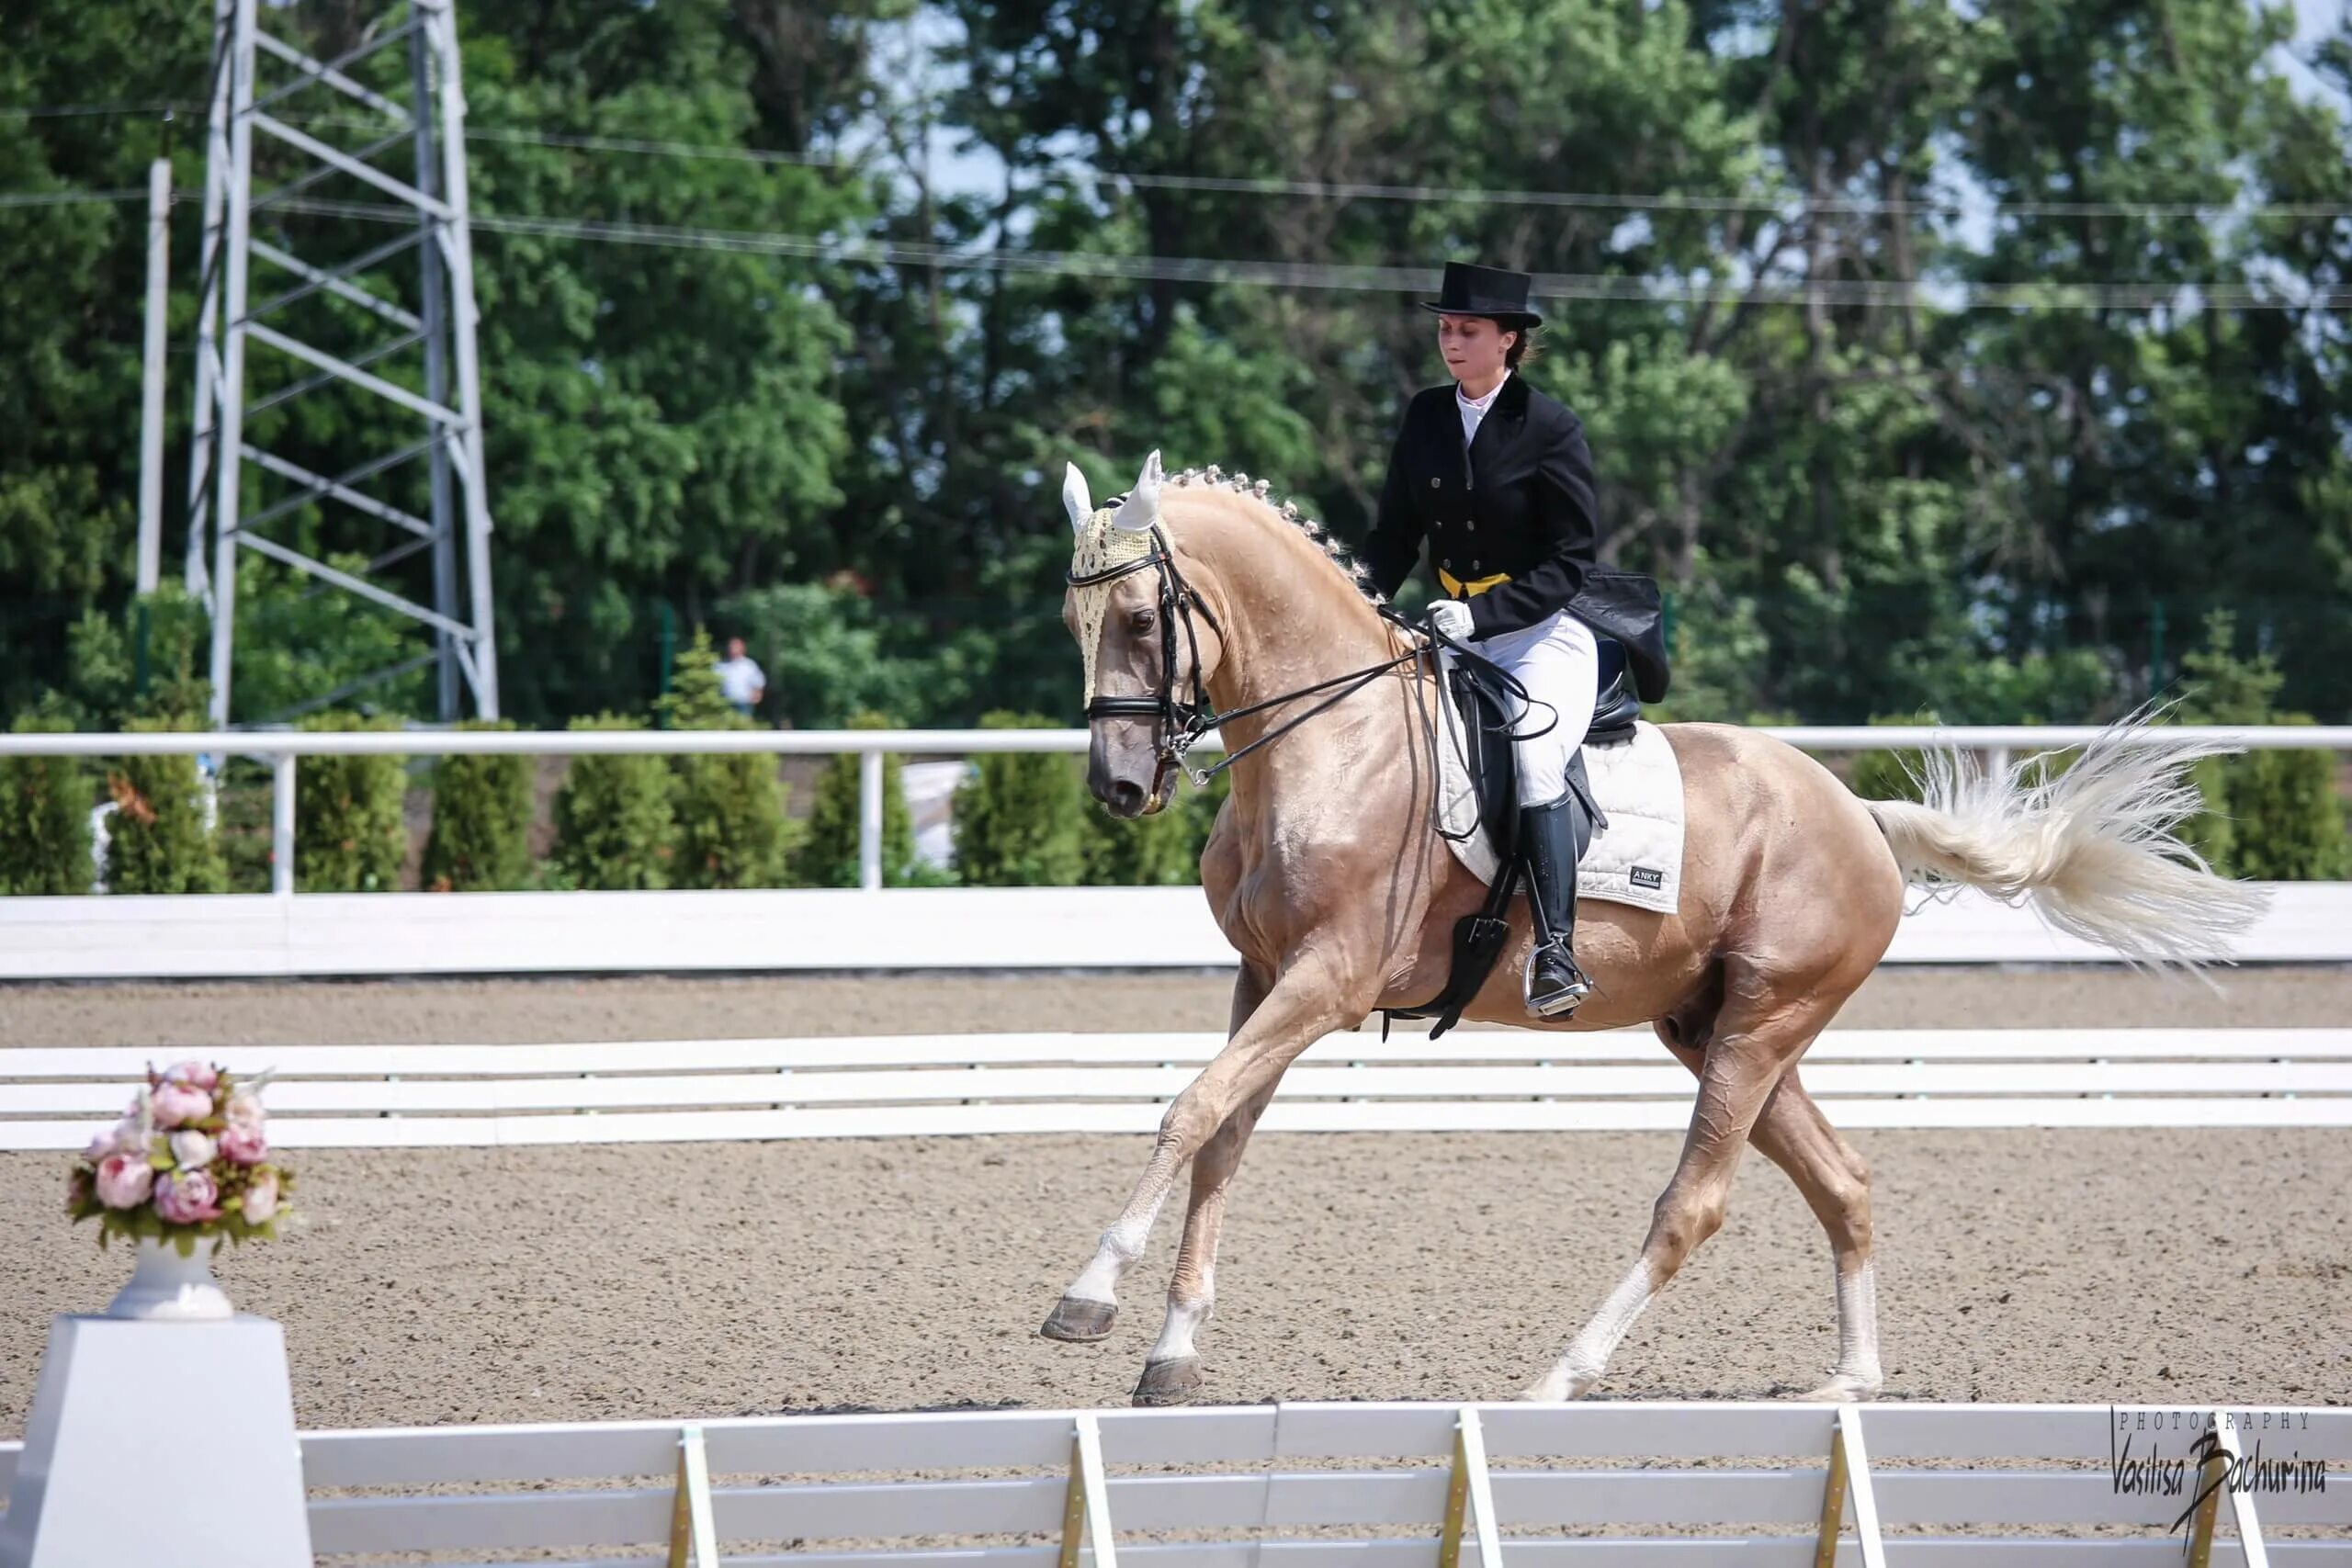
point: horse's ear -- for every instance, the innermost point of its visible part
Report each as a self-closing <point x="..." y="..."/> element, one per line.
<point x="1141" y="509"/>
<point x="1075" y="500"/>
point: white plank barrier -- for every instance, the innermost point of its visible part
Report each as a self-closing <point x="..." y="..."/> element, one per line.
<point x="1670" y="1484"/>
<point x="688" y="1091"/>
<point x="260" y="935"/>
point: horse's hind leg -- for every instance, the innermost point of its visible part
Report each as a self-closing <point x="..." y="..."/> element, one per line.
<point x="1757" y="1040"/>
<point x="1835" y="1183"/>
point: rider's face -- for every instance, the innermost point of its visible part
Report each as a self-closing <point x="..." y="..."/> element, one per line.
<point x="1473" y="347"/>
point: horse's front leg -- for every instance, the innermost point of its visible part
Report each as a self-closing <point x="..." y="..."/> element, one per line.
<point x="1312" y="996"/>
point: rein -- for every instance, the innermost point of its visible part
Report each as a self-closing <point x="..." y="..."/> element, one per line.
<point x="1181" y="723"/>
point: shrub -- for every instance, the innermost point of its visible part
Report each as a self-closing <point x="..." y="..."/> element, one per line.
<point x="613" y="819"/>
<point x="2288" y="825"/>
<point x="44" y="817"/>
<point x="481" y="823"/>
<point x="2272" y="816"/>
<point x="1890" y="774"/>
<point x="349" y="836"/>
<point x="157" y="839"/>
<point x="827" y="853"/>
<point x="731" y="828"/>
<point x="1160" y="851"/>
<point x="1019" y="819"/>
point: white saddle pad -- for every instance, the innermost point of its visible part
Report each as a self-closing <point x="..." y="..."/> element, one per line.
<point x="1637" y="859"/>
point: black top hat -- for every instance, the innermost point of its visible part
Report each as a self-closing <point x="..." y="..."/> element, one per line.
<point x="1474" y="291"/>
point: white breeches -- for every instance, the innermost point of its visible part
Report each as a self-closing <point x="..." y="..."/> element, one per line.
<point x="1557" y="661"/>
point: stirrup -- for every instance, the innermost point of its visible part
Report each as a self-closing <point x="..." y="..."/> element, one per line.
<point x="1555" y="1004"/>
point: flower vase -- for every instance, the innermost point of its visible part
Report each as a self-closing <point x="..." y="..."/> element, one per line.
<point x="168" y="1288"/>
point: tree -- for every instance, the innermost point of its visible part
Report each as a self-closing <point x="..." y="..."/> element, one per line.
<point x="827" y="854"/>
<point x="730" y="821"/>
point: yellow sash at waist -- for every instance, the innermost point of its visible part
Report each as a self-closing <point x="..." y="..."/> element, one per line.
<point x="1457" y="589"/>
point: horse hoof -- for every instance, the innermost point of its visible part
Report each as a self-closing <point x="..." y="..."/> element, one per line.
<point x="1075" y="1322"/>
<point x="1170" y="1383"/>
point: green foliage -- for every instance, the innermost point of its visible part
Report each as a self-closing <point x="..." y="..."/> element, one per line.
<point x="613" y="819"/>
<point x="157" y="837"/>
<point x="1995" y="513"/>
<point x="2287" y="821"/>
<point x="1890" y="774"/>
<point x="349" y="832"/>
<point x="1020" y="818"/>
<point x="827" y="853"/>
<point x="732" y="830"/>
<point x="44" y="817"/>
<point x="2269" y="816"/>
<point x="1162" y="850"/>
<point x="481" y="823"/>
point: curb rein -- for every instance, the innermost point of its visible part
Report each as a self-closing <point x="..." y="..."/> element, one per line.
<point x="1181" y="724"/>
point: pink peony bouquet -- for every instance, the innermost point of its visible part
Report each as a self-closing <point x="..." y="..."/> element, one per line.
<point x="189" y="1159"/>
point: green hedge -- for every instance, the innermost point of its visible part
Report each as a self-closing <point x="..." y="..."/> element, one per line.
<point x="481" y="840"/>
<point x="732" y="830"/>
<point x="44" y="817"/>
<point x="1020" y="818"/>
<point x="614" y="820"/>
<point x="349" y="835"/>
<point x="156" y="839"/>
<point x="827" y="853"/>
<point x="2269" y="816"/>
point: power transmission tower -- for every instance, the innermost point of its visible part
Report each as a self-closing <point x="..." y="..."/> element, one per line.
<point x="399" y="312"/>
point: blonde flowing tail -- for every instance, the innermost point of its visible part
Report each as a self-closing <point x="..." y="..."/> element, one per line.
<point x="2093" y="847"/>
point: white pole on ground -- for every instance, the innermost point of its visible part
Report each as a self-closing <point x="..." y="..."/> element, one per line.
<point x="151" y="415"/>
<point x="869" y="819"/>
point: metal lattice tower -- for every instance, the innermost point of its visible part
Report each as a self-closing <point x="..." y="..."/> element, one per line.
<point x="415" y="293"/>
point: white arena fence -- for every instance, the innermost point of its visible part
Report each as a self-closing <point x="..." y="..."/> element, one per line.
<point x="1668" y="1484"/>
<point x="283" y="749"/>
<point x="1482" y="1080"/>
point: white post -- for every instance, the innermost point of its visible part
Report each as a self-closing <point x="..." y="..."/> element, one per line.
<point x="1996" y="761"/>
<point x="229" y="462"/>
<point x="281" y="823"/>
<point x="869" y="819"/>
<point x="151" y="416"/>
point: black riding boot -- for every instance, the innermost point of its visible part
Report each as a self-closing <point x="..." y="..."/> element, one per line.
<point x="1554" y="984"/>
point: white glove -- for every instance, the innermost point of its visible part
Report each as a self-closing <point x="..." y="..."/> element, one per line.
<point x="1451" y="617"/>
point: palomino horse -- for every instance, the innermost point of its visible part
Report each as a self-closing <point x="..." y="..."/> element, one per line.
<point x="1326" y="876"/>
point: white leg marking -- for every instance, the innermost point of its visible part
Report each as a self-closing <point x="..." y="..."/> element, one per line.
<point x="1857" y="1375"/>
<point x="1184" y="1320"/>
<point x="1576" y="1371"/>
<point x="1122" y="1245"/>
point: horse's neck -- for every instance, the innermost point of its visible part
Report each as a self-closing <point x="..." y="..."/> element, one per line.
<point x="1291" y="629"/>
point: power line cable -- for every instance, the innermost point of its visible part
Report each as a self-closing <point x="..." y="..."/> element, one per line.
<point x="847" y="250"/>
<point x="1666" y="201"/>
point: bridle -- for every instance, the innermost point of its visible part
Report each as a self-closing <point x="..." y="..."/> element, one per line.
<point x="1181" y="722"/>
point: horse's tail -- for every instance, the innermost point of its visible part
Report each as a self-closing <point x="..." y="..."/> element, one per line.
<point x="2093" y="845"/>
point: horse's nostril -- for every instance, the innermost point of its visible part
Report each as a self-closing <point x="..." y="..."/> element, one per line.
<point x="1126" y="797"/>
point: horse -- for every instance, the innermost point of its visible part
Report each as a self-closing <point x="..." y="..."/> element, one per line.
<point x="1197" y="599"/>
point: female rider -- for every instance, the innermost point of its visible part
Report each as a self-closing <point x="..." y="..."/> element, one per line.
<point x="1497" y="478"/>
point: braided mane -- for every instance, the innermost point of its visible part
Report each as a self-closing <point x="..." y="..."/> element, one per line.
<point x="1359" y="576"/>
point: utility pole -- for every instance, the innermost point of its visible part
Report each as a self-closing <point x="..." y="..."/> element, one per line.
<point x="413" y="294"/>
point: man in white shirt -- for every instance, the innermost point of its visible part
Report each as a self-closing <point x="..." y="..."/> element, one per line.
<point x="740" y="681"/>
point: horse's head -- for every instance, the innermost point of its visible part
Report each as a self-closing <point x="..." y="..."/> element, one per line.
<point x="1150" y="640"/>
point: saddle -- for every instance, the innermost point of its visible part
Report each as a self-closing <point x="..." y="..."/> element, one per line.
<point x="1485" y="704"/>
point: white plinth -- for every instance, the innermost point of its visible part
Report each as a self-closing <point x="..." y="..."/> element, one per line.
<point x="160" y="1443"/>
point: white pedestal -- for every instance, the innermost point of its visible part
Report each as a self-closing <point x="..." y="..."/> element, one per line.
<point x="160" y="1443"/>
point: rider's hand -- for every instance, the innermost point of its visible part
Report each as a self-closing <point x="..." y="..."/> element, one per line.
<point x="1452" y="617"/>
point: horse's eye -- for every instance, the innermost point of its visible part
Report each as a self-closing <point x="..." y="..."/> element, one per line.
<point x="1144" y="620"/>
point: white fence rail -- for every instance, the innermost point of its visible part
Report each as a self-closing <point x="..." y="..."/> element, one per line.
<point x="283" y="749"/>
<point x="1485" y="1080"/>
<point x="238" y="936"/>
<point x="1673" y="1485"/>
